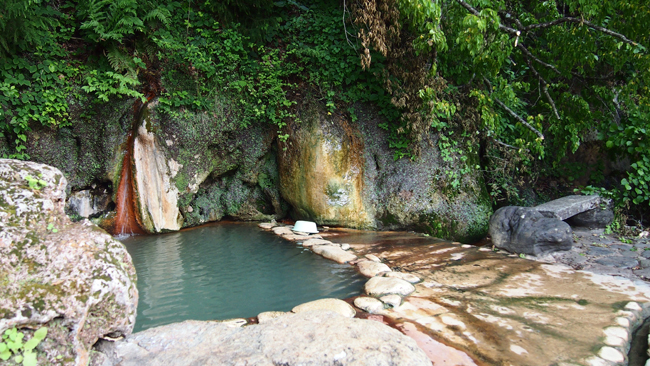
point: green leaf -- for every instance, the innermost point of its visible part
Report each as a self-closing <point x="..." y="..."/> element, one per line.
<point x="30" y="358"/>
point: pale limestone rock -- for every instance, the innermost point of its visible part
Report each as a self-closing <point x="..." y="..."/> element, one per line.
<point x="345" y="246"/>
<point x="614" y="341"/>
<point x="269" y="315"/>
<point x="392" y="300"/>
<point x="369" y="304"/>
<point x="157" y="195"/>
<point x="311" y="242"/>
<point x="234" y="323"/>
<point x="309" y="338"/>
<point x="611" y="354"/>
<point x="373" y="258"/>
<point x="371" y="269"/>
<point x="380" y="286"/>
<point x="334" y="252"/>
<point x="403" y="276"/>
<point x="617" y="332"/>
<point x="335" y="305"/>
<point x="295" y="237"/>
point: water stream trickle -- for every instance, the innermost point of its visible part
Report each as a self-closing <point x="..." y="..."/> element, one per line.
<point x="125" y="215"/>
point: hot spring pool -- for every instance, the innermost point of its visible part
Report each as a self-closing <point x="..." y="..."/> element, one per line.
<point x="229" y="270"/>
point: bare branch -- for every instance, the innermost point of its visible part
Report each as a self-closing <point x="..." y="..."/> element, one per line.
<point x="581" y="22"/>
<point x="544" y="87"/>
<point x="529" y="54"/>
<point x="508" y="146"/>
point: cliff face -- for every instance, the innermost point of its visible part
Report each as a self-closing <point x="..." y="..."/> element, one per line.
<point x="191" y="168"/>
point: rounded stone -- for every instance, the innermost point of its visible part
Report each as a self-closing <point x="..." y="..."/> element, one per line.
<point x="369" y="304"/>
<point x="373" y="258"/>
<point x="611" y="354"/>
<point x="311" y="242"/>
<point x="345" y="246"/>
<point x="269" y="315"/>
<point x="267" y="225"/>
<point x="619" y="332"/>
<point x="392" y="300"/>
<point x="335" y="305"/>
<point x="282" y="230"/>
<point x="334" y="252"/>
<point x="371" y="269"/>
<point x="380" y="286"/>
<point x="404" y="276"/>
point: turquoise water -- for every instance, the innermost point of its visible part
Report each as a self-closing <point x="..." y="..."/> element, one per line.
<point x="229" y="270"/>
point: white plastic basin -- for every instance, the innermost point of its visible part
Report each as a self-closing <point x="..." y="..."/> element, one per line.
<point x="305" y="227"/>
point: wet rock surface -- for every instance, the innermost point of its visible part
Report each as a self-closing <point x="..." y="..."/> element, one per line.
<point x="479" y="306"/>
<point x="338" y="306"/>
<point x="309" y="338"/>
<point x="72" y="278"/>
<point x="526" y="230"/>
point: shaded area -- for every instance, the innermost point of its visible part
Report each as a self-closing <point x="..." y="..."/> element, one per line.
<point x="229" y="270"/>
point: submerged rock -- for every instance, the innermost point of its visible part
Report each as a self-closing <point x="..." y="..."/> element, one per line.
<point x="311" y="338"/>
<point x="72" y="278"/>
<point x="526" y="230"/>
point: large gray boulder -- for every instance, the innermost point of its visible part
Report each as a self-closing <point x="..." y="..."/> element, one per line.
<point x="525" y="230"/>
<point x="311" y="338"/>
<point x="72" y="278"/>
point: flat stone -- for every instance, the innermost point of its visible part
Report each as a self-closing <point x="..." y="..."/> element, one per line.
<point x="373" y="257"/>
<point x="611" y="354"/>
<point x="594" y="218"/>
<point x="380" y="286"/>
<point x="335" y="305"/>
<point x="630" y="253"/>
<point x="618" y="262"/>
<point x="334" y="252"/>
<point x="625" y="247"/>
<point x="646" y="254"/>
<point x="598" y="251"/>
<point x="234" y="323"/>
<point x="267" y="225"/>
<point x="311" y="242"/>
<point x="644" y="273"/>
<point x="371" y="269"/>
<point x="572" y="258"/>
<point x="403" y="276"/>
<point x="269" y="315"/>
<point x="644" y="263"/>
<point x="565" y="207"/>
<point x="308" y="338"/>
<point x="296" y="237"/>
<point x="391" y="300"/>
<point x="282" y="230"/>
<point x="369" y="304"/>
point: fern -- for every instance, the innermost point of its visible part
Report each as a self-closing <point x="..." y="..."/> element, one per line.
<point x="25" y="23"/>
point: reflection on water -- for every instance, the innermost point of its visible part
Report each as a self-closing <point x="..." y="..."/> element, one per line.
<point x="229" y="270"/>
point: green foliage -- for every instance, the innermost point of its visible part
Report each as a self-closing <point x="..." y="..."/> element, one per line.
<point x="23" y="352"/>
<point x="24" y="24"/>
<point x="35" y="183"/>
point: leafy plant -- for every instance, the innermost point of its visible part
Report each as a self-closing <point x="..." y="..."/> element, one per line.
<point x="35" y="183"/>
<point x="12" y="344"/>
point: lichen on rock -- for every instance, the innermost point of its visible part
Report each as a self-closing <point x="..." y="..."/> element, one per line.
<point x="71" y="277"/>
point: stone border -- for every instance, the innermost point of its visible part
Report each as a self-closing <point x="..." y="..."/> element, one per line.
<point x="388" y="289"/>
<point x="384" y="284"/>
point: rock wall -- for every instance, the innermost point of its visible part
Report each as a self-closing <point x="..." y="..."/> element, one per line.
<point x="191" y="168"/>
<point x="336" y="172"/>
<point x="72" y="278"/>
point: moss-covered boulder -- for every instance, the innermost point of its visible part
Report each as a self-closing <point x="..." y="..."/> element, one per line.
<point x="72" y="278"/>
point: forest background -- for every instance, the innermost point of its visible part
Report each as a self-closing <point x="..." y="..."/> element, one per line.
<point x="553" y="95"/>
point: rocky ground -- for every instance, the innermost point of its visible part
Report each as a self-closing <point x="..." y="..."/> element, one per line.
<point x="596" y="251"/>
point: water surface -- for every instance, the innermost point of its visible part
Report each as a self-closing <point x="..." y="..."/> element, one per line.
<point x="229" y="270"/>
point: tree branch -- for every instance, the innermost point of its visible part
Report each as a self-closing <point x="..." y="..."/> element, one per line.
<point x="529" y="54"/>
<point x="581" y="22"/>
<point x="544" y="88"/>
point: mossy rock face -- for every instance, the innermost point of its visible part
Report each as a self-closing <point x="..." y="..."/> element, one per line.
<point x="339" y="172"/>
<point x="420" y="194"/>
<point x="70" y="277"/>
<point x="322" y="170"/>
<point x="90" y="149"/>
